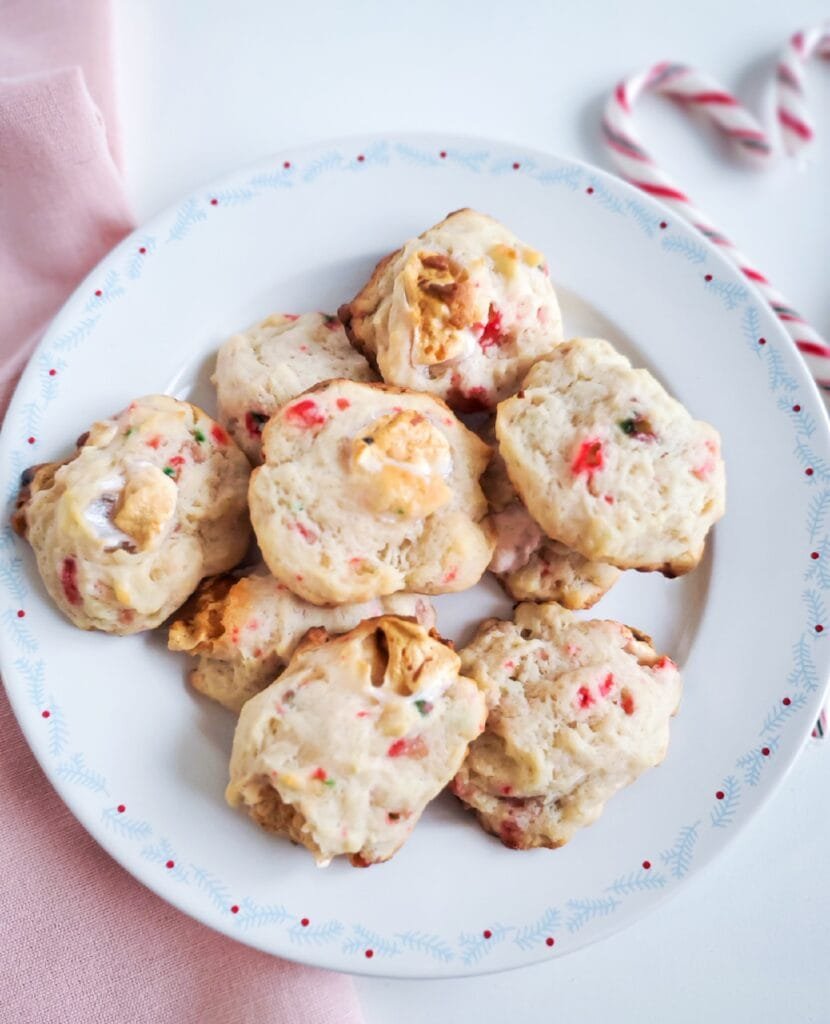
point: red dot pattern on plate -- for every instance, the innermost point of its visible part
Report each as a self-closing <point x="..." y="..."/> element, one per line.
<point x="369" y="954"/>
<point x="234" y="909"/>
<point x="786" y="702"/>
<point x="286" y="164"/>
<point x="646" y="865"/>
<point x="45" y="714"/>
<point x="796" y="408"/>
<point x="762" y="341"/>
<point x="121" y="808"/>
<point x="53" y="373"/>
<point x="719" y="795"/>
<point x="30" y="440"/>
<point x="487" y="933"/>
<point x="549" y="941"/>
<point x="214" y="202"/>
<point x="360" y="158"/>
<point x="21" y="614"/>
<point x="765" y="751"/>
<point x="98" y="294"/>
<point x="142" y="250"/>
<point x="707" y="277"/>
<point x="443" y="154"/>
<point x="663" y="225"/>
<point x="305" y="922"/>
<point x="170" y="864"/>
<point x="809" y="471"/>
<point x="814" y="554"/>
<point x="590" y="190"/>
<point x="819" y="629"/>
<point x="516" y="166"/>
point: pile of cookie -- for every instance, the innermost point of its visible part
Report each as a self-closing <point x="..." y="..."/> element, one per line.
<point x="438" y="427"/>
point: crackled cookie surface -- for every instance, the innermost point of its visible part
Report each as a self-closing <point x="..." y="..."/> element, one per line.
<point x="609" y="464"/>
<point x="260" y="369"/>
<point x="345" y="750"/>
<point x="153" y="500"/>
<point x="531" y="566"/>
<point x="369" y="489"/>
<point x="582" y="708"/>
<point x="244" y="629"/>
<point x="462" y="311"/>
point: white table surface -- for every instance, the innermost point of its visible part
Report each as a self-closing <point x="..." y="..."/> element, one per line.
<point x="207" y="86"/>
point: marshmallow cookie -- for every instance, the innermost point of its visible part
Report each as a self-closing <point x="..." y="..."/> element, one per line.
<point x="369" y="489"/>
<point x="583" y="709"/>
<point x="529" y="565"/>
<point x="153" y="500"/>
<point x="345" y="750"/>
<point x="462" y="311"/>
<point x="609" y="464"/>
<point x="244" y="629"/>
<point x="260" y="369"/>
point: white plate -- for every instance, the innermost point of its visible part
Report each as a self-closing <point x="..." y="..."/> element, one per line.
<point x="142" y="762"/>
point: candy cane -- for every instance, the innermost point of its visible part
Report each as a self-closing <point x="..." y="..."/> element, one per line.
<point x="698" y="91"/>
<point x="793" y="117"/>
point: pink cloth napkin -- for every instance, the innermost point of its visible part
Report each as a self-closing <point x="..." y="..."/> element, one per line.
<point x="80" y="940"/>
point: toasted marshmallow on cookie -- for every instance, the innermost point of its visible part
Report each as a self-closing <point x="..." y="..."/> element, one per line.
<point x="242" y="629"/>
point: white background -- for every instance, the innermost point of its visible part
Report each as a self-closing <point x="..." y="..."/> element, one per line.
<point x="208" y="86"/>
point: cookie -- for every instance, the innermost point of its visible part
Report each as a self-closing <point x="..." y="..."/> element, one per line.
<point x="582" y="708"/>
<point x="260" y="369"/>
<point x="243" y="630"/>
<point x="529" y="565"/>
<point x="345" y="750"/>
<point x="152" y="500"/>
<point x="609" y="464"/>
<point x="369" y="489"/>
<point x="462" y="311"/>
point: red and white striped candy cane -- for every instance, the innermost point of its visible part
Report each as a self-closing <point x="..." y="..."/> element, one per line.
<point x="793" y="116"/>
<point x="699" y="92"/>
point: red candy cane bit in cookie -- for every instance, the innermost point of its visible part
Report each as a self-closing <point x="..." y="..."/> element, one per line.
<point x="511" y="835"/>
<point x="153" y="442"/>
<point x="219" y="434"/>
<point x="584" y="697"/>
<point x="305" y="413"/>
<point x="588" y="459"/>
<point x="450" y="575"/>
<point x="343" y="403"/>
<point x="308" y="535"/>
<point x="415" y="748"/>
<point x="607" y="685"/>
<point x="254" y="422"/>
<point x="627" y="702"/>
<point x="664" y="663"/>
<point x="69" y="581"/>
<point x="491" y="332"/>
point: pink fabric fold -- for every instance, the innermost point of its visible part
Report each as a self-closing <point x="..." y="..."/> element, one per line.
<point x="80" y="940"/>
